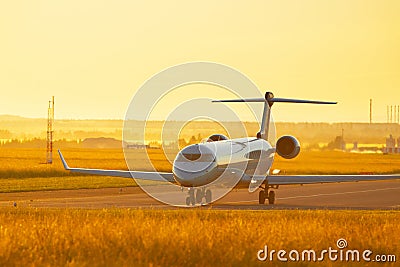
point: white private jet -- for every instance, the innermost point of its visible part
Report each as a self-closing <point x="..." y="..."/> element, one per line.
<point x="198" y="165"/>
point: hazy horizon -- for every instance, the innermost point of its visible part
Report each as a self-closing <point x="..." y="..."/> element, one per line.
<point x="117" y="119"/>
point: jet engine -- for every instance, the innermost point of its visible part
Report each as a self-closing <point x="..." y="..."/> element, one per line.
<point x="216" y="137"/>
<point x="287" y="147"/>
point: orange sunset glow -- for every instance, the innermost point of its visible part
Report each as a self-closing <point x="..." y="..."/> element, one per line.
<point x="93" y="55"/>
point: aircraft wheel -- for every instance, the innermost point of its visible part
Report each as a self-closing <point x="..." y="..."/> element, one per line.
<point x="271" y="197"/>
<point x="261" y="197"/>
<point x="199" y="195"/>
<point x="208" y="196"/>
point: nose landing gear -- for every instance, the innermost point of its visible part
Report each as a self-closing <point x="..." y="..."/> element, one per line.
<point x="196" y="196"/>
<point x="190" y="199"/>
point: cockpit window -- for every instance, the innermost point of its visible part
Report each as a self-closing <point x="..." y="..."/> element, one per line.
<point x="191" y="156"/>
<point x="196" y="153"/>
<point x="195" y="157"/>
<point x="216" y="137"/>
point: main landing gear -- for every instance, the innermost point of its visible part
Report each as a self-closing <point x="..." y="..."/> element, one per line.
<point x="265" y="193"/>
<point x="196" y="196"/>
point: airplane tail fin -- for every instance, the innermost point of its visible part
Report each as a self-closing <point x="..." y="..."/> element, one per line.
<point x="268" y="101"/>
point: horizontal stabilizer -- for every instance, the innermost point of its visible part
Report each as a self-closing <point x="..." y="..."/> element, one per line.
<point x="276" y="100"/>
<point x="288" y="100"/>
<point x="242" y="100"/>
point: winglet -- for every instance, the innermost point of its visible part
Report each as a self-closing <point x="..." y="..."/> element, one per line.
<point x="63" y="161"/>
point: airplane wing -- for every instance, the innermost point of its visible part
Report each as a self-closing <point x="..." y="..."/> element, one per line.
<point x="151" y="176"/>
<point x="255" y="181"/>
<point x="319" y="179"/>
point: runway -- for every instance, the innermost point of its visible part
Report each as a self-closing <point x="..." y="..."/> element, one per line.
<point x="360" y="195"/>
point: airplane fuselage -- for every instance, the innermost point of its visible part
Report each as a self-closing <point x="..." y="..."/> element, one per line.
<point x="201" y="164"/>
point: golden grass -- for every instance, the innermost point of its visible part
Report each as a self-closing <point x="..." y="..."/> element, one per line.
<point x="21" y="169"/>
<point x="57" y="183"/>
<point x="196" y="237"/>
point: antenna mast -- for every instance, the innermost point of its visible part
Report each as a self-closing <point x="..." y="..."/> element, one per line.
<point x="370" y="111"/>
<point x="50" y="121"/>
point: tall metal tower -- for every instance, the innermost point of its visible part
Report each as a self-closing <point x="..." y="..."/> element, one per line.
<point x="50" y="121"/>
<point x="370" y="111"/>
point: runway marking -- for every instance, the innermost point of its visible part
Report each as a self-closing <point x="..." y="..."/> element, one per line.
<point x="318" y="195"/>
<point x="240" y="201"/>
<point x="342" y="193"/>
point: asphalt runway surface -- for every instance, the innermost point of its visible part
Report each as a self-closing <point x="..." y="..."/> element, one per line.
<point x="357" y="195"/>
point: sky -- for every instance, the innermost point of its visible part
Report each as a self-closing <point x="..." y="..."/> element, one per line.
<point x="94" y="55"/>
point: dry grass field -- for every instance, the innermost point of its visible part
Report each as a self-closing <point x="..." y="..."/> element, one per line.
<point x="22" y="169"/>
<point x="197" y="237"/>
